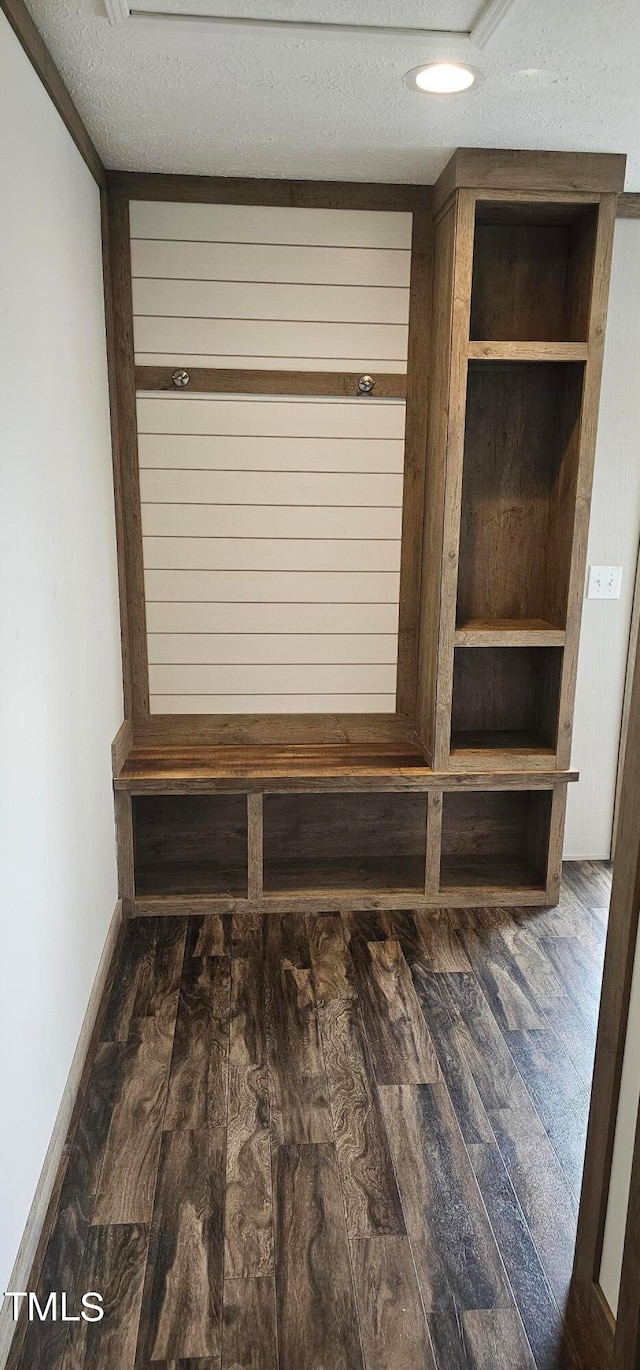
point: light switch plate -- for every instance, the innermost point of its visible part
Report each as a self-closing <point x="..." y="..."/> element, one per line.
<point x="605" y="582"/>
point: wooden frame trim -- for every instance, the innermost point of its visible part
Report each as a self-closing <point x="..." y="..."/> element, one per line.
<point x="126" y="472"/>
<point x="612" y="1031"/>
<point x="589" y="410"/>
<point x="128" y="379"/>
<point x="521" y="172"/>
<point x="628" y="205"/>
<point x="243" y="381"/>
<point x="242" y="190"/>
<point x="415" y="456"/>
<point x="464" y="211"/>
<point x="627" y="1339"/>
<point x="42" y="63"/>
<point x="255" y="846"/>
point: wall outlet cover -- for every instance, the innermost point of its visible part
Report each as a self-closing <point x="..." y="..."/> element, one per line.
<point x="605" y="582"/>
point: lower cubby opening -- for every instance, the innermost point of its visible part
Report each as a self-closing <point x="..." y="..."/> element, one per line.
<point x="495" y="839"/>
<point x="344" y="842"/>
<point x="505" y="698"/>
<point x="190" y="844"/>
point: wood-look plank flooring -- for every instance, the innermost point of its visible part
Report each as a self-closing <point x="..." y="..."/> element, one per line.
<point x="332" y="1143"/>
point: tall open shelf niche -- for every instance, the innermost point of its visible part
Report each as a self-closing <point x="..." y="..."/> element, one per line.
<point x="459" y="796"/>
<point x="521" y="282"/>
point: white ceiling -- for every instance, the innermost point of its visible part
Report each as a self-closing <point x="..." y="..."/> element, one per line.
<point x="560" y="74"/>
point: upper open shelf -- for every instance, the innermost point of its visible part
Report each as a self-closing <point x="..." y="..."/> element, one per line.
<point x="532" y="269"/>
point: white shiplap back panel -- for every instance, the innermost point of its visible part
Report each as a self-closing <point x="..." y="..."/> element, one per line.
<point x="271" y="526"/>
<point x="206" y="278"/>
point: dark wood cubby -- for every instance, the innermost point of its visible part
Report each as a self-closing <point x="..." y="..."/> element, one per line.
<point x="190" y="844"/>
<point x="531" y="271"/>
<point x="495" y="840"/>
<point x="344" y="841"/>
<point x="520" y="464"/>
<point x="505" y="698"/>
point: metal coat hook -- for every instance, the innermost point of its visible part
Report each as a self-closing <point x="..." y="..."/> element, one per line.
<point x="366" y="384"/>
<point x="180" y="379"/>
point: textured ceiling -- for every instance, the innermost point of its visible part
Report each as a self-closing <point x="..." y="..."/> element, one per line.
<point x="560" y="74"/>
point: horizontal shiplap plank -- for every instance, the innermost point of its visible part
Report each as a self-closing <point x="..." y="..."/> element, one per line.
<point x="271" y="648"/>
<point x="270" y="679"/>
<point x="271" y="554"/>
<point x="234" y="261"/>
<point x="298" y="587"/>
<point x="269" y="224"/>
<point x="175" y="618"/>
<point x="257" y="300"/>
<point x="204" y="453"/>
<point x="273" y="704"/>
<point x="272" y="487"/>
<point x="263" y="417"/>
<point x="268" y="521"/>
<point x="269" y="338"/>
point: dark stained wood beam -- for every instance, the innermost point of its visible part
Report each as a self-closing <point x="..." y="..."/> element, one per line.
<point x="42" y="62"/>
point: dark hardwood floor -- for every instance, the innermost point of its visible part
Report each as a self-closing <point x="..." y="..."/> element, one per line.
<point x="333" y="1143"/>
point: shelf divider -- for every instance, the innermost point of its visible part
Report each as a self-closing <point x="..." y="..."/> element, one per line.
<point x="508" y="632"/>
<point x="528" y="351"/>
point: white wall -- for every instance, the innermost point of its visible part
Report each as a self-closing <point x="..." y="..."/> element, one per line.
<point x="60" y="682"/>
<point x="618" y="1204"/>
<point x="613" y="541"/>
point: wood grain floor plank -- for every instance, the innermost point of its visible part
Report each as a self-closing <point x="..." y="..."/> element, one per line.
<point x="248" y="1217"/>
<point x="128" y="1174"/>
<point x="575" y="1034"/>
<point x="197" y="1092"/>
<point x="538" y="1309"/>
<point x="399" y="1043"/>
<point x="537" y="1177"/>
<point x="580" y="973"/>
<point x="249" y="1338"/>
<point x="442" y="947"/>
<point x="137" y="948"/>
<point x="317" y="1320"/>
<point x="446" y="1028"/>
<point x="527" y="953"/>
<point x="181" y="1314"/>
<point x="372" y="1202"/>
<point x="561" y="1098"/>
<point x="297" y="1080"/>
<point x="392" y="1320"/>
<point x="513" y="1001"/>
<point x="114" y="1265"/>
<point x="44" y="1343"/>
<point x="457" y="1260"/>
<point x="211" y="935"/>
<point x="495" y="1340"/>
<point x="333" y="971"/>
<point x="589" y="882"/>
<point x="160" y="972"/>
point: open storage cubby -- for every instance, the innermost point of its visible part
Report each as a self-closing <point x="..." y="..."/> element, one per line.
<point x="190" y="844"/>
<point x="505" y="698"/>
<point x="343" y="841"/>
<point x="495" y="839"/>
<point x="518" y="492"/>
<point x="532" y="271"/>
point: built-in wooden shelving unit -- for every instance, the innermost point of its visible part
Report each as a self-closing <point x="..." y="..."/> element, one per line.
<point x="459" y="798"/>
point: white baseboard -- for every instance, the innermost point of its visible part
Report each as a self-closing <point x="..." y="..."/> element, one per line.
<point x="20" y="1275"/>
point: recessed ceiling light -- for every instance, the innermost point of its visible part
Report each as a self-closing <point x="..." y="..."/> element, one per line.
<point x="442" y="78"/>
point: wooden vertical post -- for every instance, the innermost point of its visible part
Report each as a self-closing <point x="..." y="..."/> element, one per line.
<point x="255" y="846"/>
<point x="124" y="849"/>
